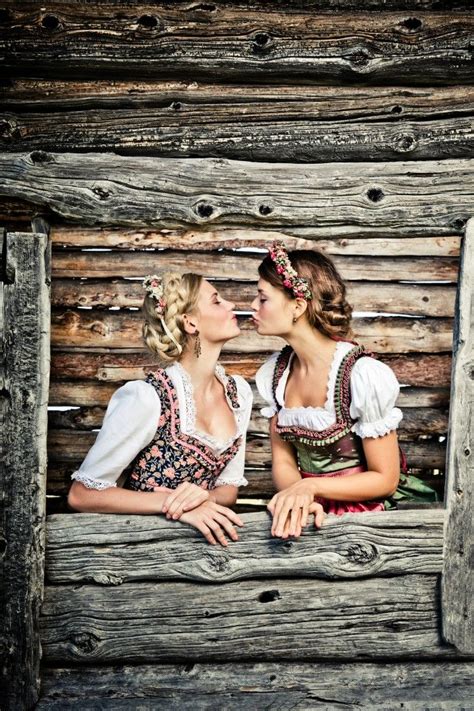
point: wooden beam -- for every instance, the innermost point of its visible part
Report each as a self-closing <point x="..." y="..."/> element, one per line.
<point x="458" y="577"/>
<point x="262" y="620"/>
<point x="172" y="192"/>
<point x="110" y="549"/>
<point x="261" y="41"/>
<point x="402" y="245"/>
<point x="261" y="685"/>
<point x="25" y="378"/>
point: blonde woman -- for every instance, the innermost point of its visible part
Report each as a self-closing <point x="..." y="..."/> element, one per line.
<point x="331" y="403"/>
<point x="181" y="431"/>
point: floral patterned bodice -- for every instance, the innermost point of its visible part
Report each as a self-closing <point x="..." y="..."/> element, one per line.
<point x="173" y="456"/>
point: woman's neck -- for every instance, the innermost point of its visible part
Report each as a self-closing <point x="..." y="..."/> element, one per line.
<point x="201" y="369"/>
<point x="311" y="347"/>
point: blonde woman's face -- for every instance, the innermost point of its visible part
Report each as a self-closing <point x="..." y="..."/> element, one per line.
<point x="273" y="310"/>
<point x="216" y="318"/>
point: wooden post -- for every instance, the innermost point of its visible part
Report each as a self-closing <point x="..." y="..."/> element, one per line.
<point x="24" y="383"/>
<point x="457" y="608"/>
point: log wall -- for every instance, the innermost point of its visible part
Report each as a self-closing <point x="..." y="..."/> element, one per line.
<point x="189" y="135"/>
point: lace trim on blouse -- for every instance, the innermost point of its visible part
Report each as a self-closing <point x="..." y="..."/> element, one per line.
<point x="98" y="484"/>
<point x="381" y="427"/>
<point x="191" y="430"/>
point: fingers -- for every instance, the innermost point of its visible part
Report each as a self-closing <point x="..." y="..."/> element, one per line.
<point x="207" y="533"/>
<point x="216" y="530"/>
<point x="318" y="516"/>
<point x="295" y="520"/>
<point x="174" y="495"/>
<point x="185" y="497"/>
<point x="227" y="526"/>
<point x="279" y="519"/>
<point x="231" y="515"/>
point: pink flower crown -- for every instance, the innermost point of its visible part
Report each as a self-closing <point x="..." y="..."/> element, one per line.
<point x="154" y="287"/>
<point x="298" y="285"/>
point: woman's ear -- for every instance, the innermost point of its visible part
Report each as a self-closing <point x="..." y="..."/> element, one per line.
<point x="300" y="307"/>
<point x="190" y="324"/>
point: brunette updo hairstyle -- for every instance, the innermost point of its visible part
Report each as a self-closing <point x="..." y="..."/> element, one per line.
<point x="328" y="310"/>
<point x="180" y="293"/>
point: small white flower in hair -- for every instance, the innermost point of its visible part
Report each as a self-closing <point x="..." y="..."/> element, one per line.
<point x="154" y="287"/>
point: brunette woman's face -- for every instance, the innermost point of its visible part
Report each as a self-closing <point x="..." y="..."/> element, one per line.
<point x="273" y="310"/>
<point x="215" y="318"/>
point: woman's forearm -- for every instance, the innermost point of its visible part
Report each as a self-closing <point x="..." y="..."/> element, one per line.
<point x="285" y="476"/>
<point x="354" y="487"/>
<point x="225" y="495"/>
<point x="115" y="500"/>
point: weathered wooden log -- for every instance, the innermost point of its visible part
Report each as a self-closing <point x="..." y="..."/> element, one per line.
<point x="111" y="549"/>
<point x="195" y="40"/>
<point x="172" y="192"/>
<point x="72" y="446"/>
<point x="416" y="369"/>
<point x="383" y="618"/>
<point x="122" y="329"/>
<point x="24" y="377"/>
<point x="274" y="686"/>
<point x="263" y="133"/>
<point x="240" y="103"/>
<point x="457" y="581"/>
<point x="238" y="266"/>
<point x="228" y="238"/>
<point x="382" y="297"/>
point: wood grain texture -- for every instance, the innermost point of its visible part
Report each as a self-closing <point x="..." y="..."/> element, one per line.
<point x="458" y="575"/>
<point x="108" y="366"/>
<point x="98" y="189"/>
<point x="24" y="378"/>
<point x="111" y="549"/>
<point x="122" y="329"/>
<point x="212" y="238"/>
<point x="443" y="685"/>
<point x="383" y="618"/>
<point x="196" y="41"/>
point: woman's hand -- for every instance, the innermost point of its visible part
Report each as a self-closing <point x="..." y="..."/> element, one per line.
<point x="214" y="522"/>
<point x="291" y="507"/>
<point x="185" y="497"/>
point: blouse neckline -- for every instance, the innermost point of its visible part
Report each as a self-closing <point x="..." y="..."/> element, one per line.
<point x="190" y="408"/>
<point x="328" y="406"/>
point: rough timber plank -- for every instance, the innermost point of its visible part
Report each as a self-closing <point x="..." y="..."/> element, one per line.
<point x="458" y="575"/>
<point x="122" y="329"/>
<point x="274" y="619"/>
<point x="259" y="40"/>
<point x="417" y="686"/>
<point x="115" y="366"/>
<point x="172" y="192"/>
<point x="111" y="549"/>
<point x="24" y="381"/>
<point x="227" y="238"/>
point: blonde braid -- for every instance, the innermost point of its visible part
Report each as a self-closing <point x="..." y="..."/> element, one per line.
<point x="180" y="293"/>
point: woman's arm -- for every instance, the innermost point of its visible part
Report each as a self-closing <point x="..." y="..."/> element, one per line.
<point x="115" y="500"/>
<point x="284" y="467"/>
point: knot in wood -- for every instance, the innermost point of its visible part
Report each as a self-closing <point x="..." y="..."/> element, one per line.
<point x="410" y="25"/>
<point x="262" y="43"/>
<point x="85" y="642"/>
<point x="40" y="157"/>
<point x="269" y="596"/>
<point x="203" y="210"/>
<point x="359" y="58"/>
<point x="361" y="553"/>
<point x="51" y="23"/>
<point x="459" y="223"/>
<point x="265" y="210"/>
<point x="148" y="23"/>
<point x="375" y="194"/>
<point x="9" y="130"/>
<point x="102" y="193"/>
<point x="218" y="561"/>
<point x="404" y="142"/>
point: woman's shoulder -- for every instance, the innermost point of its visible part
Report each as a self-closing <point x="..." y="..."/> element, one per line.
<point x="135" y="395"/>
<point x="370" y="371"/>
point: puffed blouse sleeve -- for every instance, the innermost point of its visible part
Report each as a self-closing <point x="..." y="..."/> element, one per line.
<point x="374" y="391"/>
<point x="264" y="380"/>
<point x="129" y="424"/>
<point x="233" y="472"/>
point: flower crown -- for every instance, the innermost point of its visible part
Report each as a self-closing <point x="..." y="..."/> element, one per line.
<point x="154" y="287"/>
<point x="298" y="285"/>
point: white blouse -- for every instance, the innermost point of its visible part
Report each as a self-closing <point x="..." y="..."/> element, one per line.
<point x="374" y="391"/>
<point x="130" y="425"/>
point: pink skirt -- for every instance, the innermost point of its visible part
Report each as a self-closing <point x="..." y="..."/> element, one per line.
<point x="341" y="507"/>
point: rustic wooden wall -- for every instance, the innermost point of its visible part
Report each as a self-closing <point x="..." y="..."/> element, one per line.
<point x="170" y="135"/>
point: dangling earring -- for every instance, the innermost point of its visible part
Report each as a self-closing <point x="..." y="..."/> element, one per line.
<point x="295" y="319"/>
<point x="197" y="345"/>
